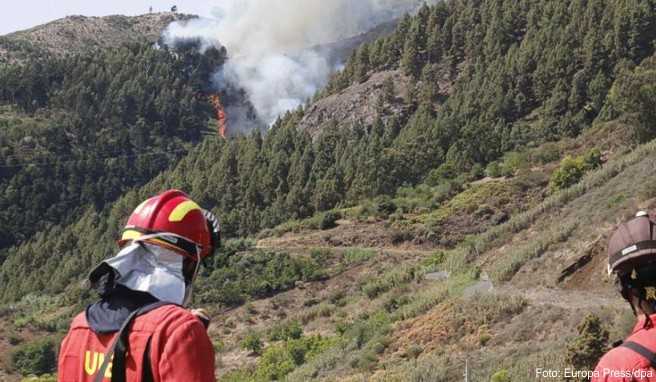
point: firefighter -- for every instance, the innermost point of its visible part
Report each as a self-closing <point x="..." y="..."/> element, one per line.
<point x="632" y="260"/>
<point x="139" y="330"/>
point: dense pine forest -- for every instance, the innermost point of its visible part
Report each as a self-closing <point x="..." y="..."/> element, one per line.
<point x="84" y="138"/>
<point x="82" y="130"/>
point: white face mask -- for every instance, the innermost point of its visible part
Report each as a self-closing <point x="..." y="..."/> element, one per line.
<point x="153" y="269"/>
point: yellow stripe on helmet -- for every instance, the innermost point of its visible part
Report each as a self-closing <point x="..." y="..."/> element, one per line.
<point x="130" y="234"/>
<point x="182" y="210"/>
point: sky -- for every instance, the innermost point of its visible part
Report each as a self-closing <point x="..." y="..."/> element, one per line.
<point x="24" y="14"/>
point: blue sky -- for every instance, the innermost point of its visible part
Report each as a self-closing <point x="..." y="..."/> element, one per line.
<point x="24" y="14"/>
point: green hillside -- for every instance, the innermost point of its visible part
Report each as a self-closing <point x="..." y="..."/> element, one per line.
<point x="472" y="226"/>
<point x="80" y="131"/>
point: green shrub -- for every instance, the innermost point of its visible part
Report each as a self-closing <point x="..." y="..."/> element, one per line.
<point x="279" y="360"/>
<point x="321" y="310"/>
<point x="356" y="256"/>
<point x="320" y="221"/>
<point x="493" y="170"/>
<point x="227" y="250"/>
<point x="328" y="220"/>
<point x="396" y="302"/>
<point x="434" y="260"/>
<point x="446" y="171"/>
<point x="286" y="331"/>
<point x="513" y="162"/>
<point x="571" y="169"/>
<point x="275" y="364"/>
<point x="256" y="275"/>
<point x="338" y="298"/>
<point x="547" y="153"/>
<point x="367" y="361"/>
<point x="364" y="210"/>
<point x="390" y="280"/>
<point x="591" y="159"/>
<point x="312" y="271"/>
<point x="384" y="206"/>
<point x="36" y="357"/>
<point x="500" y="376"/>
<point x="414" y="351"/>
<point x="366" y="329"/>
<point x="378" y="348"/>
<point x="477" y="172"/>
<point x="484" y="338"/>
<point x="321" y="256"/>
<point x="568" y="174"/>
<point x="218" y="345"/>
<point x="584" y="350"/>
<point x="342" y="327"/>
<point x="325" y="310"/>
<point x="252" y="343"/>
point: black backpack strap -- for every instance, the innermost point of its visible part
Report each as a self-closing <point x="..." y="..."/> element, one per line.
<point x="147" y="375"/>
<point x="121" y="344"/>
<point x="643" y="351"/>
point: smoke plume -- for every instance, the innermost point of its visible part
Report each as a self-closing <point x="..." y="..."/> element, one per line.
<point x="268" y="40"/>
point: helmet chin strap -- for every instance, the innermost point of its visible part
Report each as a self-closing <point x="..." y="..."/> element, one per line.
<point x="626" y="287"/>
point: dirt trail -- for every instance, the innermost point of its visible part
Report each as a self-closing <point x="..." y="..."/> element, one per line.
<point x="571" y="299"/>
<point x="306" y="248"/>
<point x="563" y="298"/>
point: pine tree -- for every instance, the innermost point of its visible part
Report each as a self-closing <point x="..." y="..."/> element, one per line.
<point x="411" y="61"/>
<point x="362" y="64"/>
<point x="430" y="88"/>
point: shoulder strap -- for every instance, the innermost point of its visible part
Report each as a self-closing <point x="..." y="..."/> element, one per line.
<point x="121" y="344"/>
<point x="147" y="375"/>
<point x="643" y="351"/>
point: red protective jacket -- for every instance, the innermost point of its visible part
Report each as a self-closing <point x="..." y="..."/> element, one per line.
<point x="180" y="349"/>
<point x="627" y="365"/>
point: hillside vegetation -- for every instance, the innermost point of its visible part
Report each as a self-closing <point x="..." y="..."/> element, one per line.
<point x="80" y="34"/>
<point x="80" y="131"/>
<point x="466" y="219"/>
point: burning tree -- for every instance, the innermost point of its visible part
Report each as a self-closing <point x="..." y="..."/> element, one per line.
<point x="219" y="110"/>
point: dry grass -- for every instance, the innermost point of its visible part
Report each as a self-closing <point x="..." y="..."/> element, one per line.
<point x="506" y="267"/>
<point x="592" y="180"/>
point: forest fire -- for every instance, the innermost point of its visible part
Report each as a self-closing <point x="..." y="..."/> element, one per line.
<point x="221" y="120"/>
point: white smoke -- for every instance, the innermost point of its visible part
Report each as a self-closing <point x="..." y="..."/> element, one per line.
<point x="267" y="42"/>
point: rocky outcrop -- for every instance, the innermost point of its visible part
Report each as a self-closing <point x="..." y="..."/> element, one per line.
<point x="360" y="103"/>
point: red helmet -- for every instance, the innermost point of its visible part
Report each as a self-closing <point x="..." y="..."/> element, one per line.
<point x="174" y="221"/>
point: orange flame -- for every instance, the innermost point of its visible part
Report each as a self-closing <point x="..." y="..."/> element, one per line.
<point x="221" y="120"/>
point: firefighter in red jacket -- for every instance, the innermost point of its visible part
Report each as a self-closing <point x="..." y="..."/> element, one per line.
<point x="632" y="259"/>
<point x="139" y="330"/>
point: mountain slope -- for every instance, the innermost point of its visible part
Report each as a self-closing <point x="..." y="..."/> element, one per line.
<point x="451" y="222"/>
<point x="77" y="34"/>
